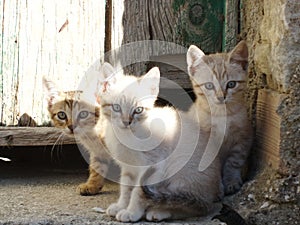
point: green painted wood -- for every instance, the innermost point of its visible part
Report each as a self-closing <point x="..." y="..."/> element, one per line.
<point x="201" y="23"/>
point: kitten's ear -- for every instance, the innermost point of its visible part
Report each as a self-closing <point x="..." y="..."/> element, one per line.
<point x="239" y="55"/>
<point x="151" y="81"/>
<point x="51" y="91"/>
<point x="109" y="73"/>
<point x="107" y="70"/>
<point x="193" y="58"/>
<point x="107" y="77"/>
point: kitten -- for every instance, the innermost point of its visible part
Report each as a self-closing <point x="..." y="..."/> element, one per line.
<point x="75" y="116"/>
<point x="219" y="82"/>
<point x="158" y="148"/>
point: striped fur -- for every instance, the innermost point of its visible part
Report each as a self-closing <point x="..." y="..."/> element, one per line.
<point x="85" y="129"/>
<point x="227" y="73"/>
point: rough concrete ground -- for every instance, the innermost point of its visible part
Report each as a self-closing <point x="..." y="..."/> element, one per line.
<point x="30" y="195"/>
<point x="34" y="191"/>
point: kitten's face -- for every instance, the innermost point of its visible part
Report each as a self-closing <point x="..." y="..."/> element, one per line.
<point x="74" y="116"/>
<point x="128" y="99"/>
<point x="68" y="112"/>
<point x="221" y="78"/>
<point x="126" y="111"/>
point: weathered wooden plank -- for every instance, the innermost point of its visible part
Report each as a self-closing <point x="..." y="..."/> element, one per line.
<point x="268" y="124"/>
<point x="10" y="53"/>
<point x="33" y="136"/>
<point x="1" y="61"/>
<point x="33" y="44"/>
<point x="142" y="21"/>
<point x="231" y="25"/>
<point x="172" y="67"/>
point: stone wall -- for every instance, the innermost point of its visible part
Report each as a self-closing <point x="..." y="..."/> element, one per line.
<point x="272" y="30"/>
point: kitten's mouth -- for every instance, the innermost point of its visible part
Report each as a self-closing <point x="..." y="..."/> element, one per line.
<point x="220" y="103"/>
<point x="70" y="132"/>
<point x="126" y="127"/>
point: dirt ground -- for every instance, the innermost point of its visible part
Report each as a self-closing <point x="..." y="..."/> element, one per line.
<point x="32" y="193"/>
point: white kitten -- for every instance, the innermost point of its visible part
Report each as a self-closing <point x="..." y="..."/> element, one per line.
<point x="158" y="148"/>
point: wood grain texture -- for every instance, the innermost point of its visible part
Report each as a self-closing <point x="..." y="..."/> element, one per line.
<point x="32" y="46"/>
<point x="231" y="25"/>
<point x="144" y="21"/>
<point x="172" y="67"/>
<point x="33" y="136"/>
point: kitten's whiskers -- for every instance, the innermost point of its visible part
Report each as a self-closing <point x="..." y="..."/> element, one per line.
<point x="58" y="143"/>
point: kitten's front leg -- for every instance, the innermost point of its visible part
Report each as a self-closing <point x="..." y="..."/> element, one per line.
<point x="136" y="208"/>
<point x="93" y="185"/>
<point x="125" y="195"/>
<point x="232" y="169"/>
<point x="232" y="179"/>
<point x="98" y="170"/>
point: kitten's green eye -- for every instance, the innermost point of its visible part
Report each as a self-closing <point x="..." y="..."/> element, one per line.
<point x="139" y="110"/>
<point x="116" y="107"/>
<point x="83" y="114"/>
<point x="209" y="85"/>
<point x="231" y="84"/>
<point x="61" y="115"/>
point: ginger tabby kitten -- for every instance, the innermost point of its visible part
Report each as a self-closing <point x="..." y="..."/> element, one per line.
<point x="79" y="118"/>
<point x="219" y="80"/>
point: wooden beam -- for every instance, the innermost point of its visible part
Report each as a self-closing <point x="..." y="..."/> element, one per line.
<point x="172" y="67"/>
<point x="33" y="136"/>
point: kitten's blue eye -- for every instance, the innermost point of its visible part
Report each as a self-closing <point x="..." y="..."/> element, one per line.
<point x="139" y="110"/>
<point x="209" y="86"/>
<point x="116" y="107"/>
<point x="83" y="114"/>
<point x="231" y="84"/>
<point x="61" y="115"/>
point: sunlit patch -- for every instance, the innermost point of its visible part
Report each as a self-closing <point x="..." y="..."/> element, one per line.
<point x="5" y="159"/>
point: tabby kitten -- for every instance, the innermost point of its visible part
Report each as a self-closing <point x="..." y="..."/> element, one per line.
<point x="79" y="118"/>
<point x="158" y="148"/>
<point x="219" y="82"/>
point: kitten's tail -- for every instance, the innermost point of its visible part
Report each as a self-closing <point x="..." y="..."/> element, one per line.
<point x="160" y="193"/>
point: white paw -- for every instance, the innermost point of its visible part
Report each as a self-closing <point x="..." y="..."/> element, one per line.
<point x="127" y="216"/>
<point x="156" y="215"/>
<point x="113" y="209"/>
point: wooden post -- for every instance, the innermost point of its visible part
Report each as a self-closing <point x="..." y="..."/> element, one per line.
<point x="108" y="25"/>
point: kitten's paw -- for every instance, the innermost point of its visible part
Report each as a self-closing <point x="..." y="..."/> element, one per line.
<point x="127" y="216"/>
<point x="113" y="209"/>
<point x="88" y="189"/>
<point x="157" y="215"/>
<point x="232" y="186"/>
